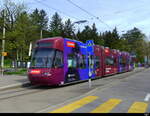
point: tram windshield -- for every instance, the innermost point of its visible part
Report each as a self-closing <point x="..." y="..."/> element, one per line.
<point x="42" y="58"/>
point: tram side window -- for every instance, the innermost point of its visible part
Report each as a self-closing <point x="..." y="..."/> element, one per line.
<point x="82" y="61"/>
<point x="122" y="61"/>
<point x="131" y="61"/>
<point x="109" y="61"/>
<point x="115" y="62"/>
<point x="128" y="61"/>
<point x="58" y="59"/>
<point x="72" y="61"/>
<point x="97" y="62"/>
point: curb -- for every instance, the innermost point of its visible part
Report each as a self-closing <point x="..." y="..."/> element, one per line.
<point x="25" y="84"/>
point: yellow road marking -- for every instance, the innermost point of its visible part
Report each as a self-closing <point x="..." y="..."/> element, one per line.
<point x="75" y="105"/>
<point x="107" y="106"/>
<point x="138" y="107"/>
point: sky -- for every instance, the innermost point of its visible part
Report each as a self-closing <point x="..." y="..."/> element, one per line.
<point x="123" y="14"/>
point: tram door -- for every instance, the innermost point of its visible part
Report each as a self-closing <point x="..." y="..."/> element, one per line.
<point x="72" y="73"/>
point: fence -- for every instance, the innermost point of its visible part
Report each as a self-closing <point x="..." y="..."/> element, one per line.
<point x="20" y="64"/>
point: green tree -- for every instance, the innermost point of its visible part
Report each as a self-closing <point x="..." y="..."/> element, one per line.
<point x="107" y="37"/>
<point x="21" y="36"/>
<point x="101" y="40"/>
<point x="115" y="39"/>
<point x="85" y="34"/>
<point x="56" y="25"/>
<point x="112" y="39"/>
<point x="68" y="30"/>
<point x="90" y="33"/>
<point x="136" y="40"/>
<point x="94" y="34"/>
<point x="40" y="19"/>
<point x="13" y="10"/>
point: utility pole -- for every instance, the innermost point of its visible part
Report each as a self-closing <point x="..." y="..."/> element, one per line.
<point x="148" y="50"/>
<point x="30" y="49"/>
<point x="3" y="43"/>
<point x="41" y="34"/>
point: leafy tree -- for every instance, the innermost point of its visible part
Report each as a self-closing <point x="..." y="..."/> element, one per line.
<point x="115" y="39"/>
<point x="40" y="19"/>
<point x="68" y="30"/>
<point x="12" y="11"/>
<point x="90" y="33"/>
<point x="101" y="40"/>
<point x="85" y="34"/>
<point x="43" y="20"/>
<point x="56" y="25"/>
<point x="21" y="36"/>
<point x="96" y="36"/>
<point x="135" y="40"/>
<point x="107" y="37"/>
<point x="111" y="39"/>
<point x="35" y="17"/>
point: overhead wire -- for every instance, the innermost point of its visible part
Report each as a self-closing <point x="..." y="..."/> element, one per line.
<point x="89" y="13"/>
<point x="48" y="6"/>
<point x="129" y="9"/>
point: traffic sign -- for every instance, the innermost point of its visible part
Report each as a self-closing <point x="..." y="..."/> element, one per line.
<point x="4" y="53"/>
<point x="90" y="44"/>
<point x="90" y="50"/>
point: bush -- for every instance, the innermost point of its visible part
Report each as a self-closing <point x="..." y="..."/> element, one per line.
<point x="16" y="72"/>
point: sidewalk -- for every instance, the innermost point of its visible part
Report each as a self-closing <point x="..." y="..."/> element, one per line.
<point x="8" y="81"/>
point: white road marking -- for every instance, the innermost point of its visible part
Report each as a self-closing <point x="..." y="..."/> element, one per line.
<point x="147" y="97"/>
<point x="68" y="101"/>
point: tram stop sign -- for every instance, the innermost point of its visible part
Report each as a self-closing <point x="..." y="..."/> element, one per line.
<point x="90" y="44"/>
<point x="90" y="51"/>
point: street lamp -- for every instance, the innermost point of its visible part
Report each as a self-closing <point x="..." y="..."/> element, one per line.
<point x="81" y="21"/>
<point x="78" y="22"/>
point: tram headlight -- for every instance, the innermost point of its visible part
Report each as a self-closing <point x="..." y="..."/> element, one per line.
<point x="35" y="71"/>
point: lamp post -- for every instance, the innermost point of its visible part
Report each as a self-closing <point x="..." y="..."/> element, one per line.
<point x="78" y="22"/>
<point x="3" y="44"/>
<point x="81" y="21"/>
<point x="41" y="34"/>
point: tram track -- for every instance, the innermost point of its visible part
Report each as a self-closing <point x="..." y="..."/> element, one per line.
<point x="17" y="92"/>
<point x="27" y="90"/>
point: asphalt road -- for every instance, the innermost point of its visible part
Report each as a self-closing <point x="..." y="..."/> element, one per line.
<point x="117" y="93"/>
